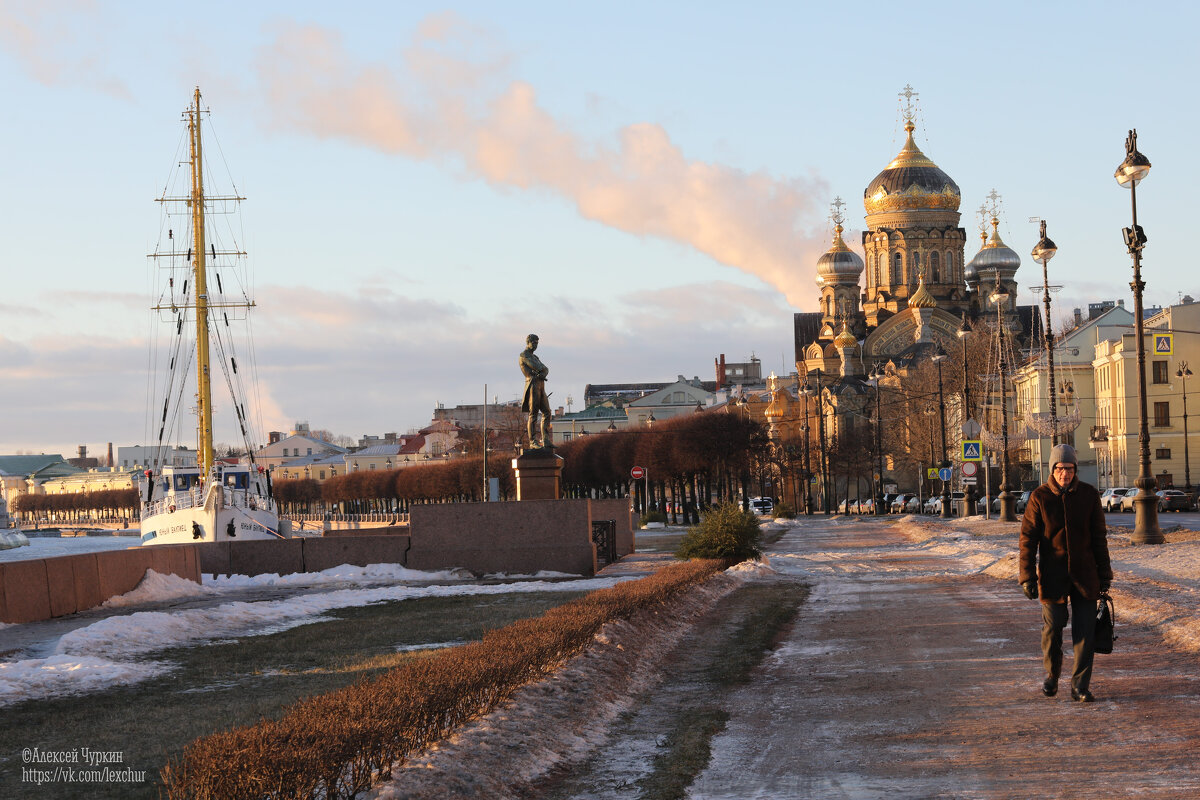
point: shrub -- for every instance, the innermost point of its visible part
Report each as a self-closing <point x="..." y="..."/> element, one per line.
<point x="653" y="516"/>
<point x="784" y="511"/>
<point x="726" y="532"/>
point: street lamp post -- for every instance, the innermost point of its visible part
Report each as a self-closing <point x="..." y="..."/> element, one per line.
<point x="969" y="488"/>
<point x="1043" y="251"/>
<point x="808" y="501"/>
<point x="876" y="380"/>
<point x="938" y="358"/>
<point x="1185" y="373"/>
<point x="823" y="456"/>
<point x="1007" y="501"/>
<point x="1129" y="174"/>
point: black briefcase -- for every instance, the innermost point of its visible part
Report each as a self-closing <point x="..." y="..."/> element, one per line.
<point x="1105" y="633"/>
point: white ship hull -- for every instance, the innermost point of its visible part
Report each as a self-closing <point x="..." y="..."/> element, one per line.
<point x="213" y="514"/>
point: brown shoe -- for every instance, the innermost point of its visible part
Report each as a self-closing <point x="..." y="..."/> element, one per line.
<point x="1083" y="696"/>
<point x="1050" y="687"/>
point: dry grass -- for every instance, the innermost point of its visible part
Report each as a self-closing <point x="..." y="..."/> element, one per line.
<point x="335" y="745"/>
<point x="238" y="683"/>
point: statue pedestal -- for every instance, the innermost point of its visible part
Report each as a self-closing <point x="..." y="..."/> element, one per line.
<point x="539" y="475"/>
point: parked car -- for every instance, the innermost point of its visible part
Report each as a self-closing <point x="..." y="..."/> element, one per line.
<point x="1127" y="499"/>
<point x="1173" y="500"/>
<point x="762" y="505"/>
<point x="1110" y="498"/>
<point x="913" y="504"/>
<point x="866" y="506"/>
<point x="930" y="504"/>
<point x="899" y="502"/>
<point x="1022" y="501"/>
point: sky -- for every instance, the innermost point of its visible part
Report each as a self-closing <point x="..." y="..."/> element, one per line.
<point x="645" y="186"/>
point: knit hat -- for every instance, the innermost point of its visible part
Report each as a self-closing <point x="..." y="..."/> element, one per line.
<point x="1062" y="454"/>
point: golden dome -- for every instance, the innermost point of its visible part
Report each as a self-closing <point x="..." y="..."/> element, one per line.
<point x="921" y="297"/>
<point x="778" y="407"/>
<point x="912" y="182"/>
<point x="845" y="339"/>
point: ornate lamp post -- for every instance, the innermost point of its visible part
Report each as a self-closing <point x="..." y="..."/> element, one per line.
<point x="1007" y="501"/>
<point x="963" y="330"/>
<point x="876" y="380"/>
<point x="807" y="392"/>
<point x="1185" y="373"/>
<point x="1129" y="174"/>
<point x="1043" y="251"/>
<point x="938" y="358"/>
<point x="823" y="456"/>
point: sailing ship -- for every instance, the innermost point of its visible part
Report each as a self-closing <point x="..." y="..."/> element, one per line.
<point x="212" y="500"/>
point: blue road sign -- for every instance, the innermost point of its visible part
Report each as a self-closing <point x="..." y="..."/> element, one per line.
<point x="945" y="473"/>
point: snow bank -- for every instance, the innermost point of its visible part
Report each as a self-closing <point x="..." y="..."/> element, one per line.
<point x="11" y="539"/>
<point x="107" y="652"/>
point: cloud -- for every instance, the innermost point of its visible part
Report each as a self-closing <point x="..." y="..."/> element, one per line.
<point x="444" y="105"/>
<point x="377" y="364"/>
<point x="54" y="42"/>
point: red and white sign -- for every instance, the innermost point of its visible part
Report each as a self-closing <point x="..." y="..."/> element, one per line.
<point x="637" y="473"/>
<point x="969" y="468"/>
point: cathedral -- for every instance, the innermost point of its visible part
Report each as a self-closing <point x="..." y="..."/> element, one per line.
<point x="914" y="289"/>
<point x="884" y="315"/>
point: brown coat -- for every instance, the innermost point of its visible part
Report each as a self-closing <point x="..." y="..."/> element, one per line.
<point x="1064" y="540"/>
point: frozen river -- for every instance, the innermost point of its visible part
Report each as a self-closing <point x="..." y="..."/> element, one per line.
<point x="46" y="546"/>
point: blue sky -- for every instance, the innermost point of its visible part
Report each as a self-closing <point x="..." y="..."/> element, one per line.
<point x="644" y="185"/>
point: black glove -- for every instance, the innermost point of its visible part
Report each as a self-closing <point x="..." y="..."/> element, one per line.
<point x="1031" y="589"/>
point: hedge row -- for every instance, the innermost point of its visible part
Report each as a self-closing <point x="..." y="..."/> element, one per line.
<point x="338" y="744"/>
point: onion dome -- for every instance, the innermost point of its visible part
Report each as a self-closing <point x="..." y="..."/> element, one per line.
<point x="996" y="257"/>
<point x="921" y="297"/>
<point x="777" y="409"/>
<point x="839" y="264"/>
<point x="845" y="339"/>
<point x="912" y="182"/>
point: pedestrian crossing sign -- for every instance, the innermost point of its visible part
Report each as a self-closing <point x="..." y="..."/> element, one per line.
<point x="972" y="450"/>
<point x="931" y="473"/>
<point x="1163" y="344"/>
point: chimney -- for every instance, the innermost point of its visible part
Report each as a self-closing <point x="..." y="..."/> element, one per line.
<point x="83" y="451"/>
<point x="1121" y="303"/>
<point x="720" y="365"/>
<point x="110" y="464"/>
<point x="1078" y="317"/>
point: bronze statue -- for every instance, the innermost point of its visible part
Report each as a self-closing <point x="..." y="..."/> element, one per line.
<point x="535" y="400"/>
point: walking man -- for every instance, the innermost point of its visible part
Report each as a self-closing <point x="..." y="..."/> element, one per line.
<point x="1064" y="557"/>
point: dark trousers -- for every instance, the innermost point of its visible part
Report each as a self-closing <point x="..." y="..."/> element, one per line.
<point x="1083" y="630"/>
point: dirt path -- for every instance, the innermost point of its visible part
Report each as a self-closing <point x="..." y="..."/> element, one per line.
<point x="900" y="679"/>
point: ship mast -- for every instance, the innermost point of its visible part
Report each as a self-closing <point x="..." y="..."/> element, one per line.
<point x="199" y="248"/>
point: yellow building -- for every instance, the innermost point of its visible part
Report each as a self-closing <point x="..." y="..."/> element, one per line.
<point x="1077" y="403"/>
<point x="1114" y="437"/>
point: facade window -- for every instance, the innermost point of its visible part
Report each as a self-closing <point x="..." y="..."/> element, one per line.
<point x="914" y="266"/>
<point x="1162" y="415"/>
<point x="896" y="266"/>
<point x="933" y="267"/>
<point x="1160" y="372"/>
<point x="949" y="263"/>
<point x="1162" y="452"/>
<point x="310" y="451"/>
<point x="371" y="466"/>
<point x="322" y="474"/>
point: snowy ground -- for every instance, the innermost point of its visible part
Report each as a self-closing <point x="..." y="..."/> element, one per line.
<point x="558" y="722"/>
<point x="116" y="644"/>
